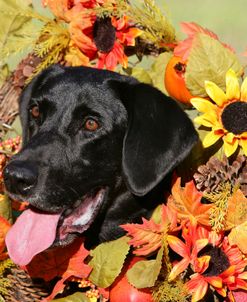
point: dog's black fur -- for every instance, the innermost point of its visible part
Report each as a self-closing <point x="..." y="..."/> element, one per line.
<point x="143" y="135"/>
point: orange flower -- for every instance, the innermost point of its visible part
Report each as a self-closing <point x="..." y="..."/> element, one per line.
<point x="195" y="241"/>
<point x="198" y="286"/>
<point x="62" y="8"/>
<point x="110" y="44"/>
<point x="74" y="57"/>
<point x="233" y="277"/>
<point x="100" y="39"/>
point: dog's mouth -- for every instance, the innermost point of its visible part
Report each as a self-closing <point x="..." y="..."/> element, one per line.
<point x="35" y="231"/>
<point x="79" y="218"/>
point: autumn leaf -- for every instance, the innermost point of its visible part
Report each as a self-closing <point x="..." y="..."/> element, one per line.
<point x="187" y="203"/>
<point x="236" y="210"/>
<point x="236" y="220"/>
<point x="238" y="236"/>
<point x="63" y="262"/>
<point x="4" y="227"/>
<point x="5" y="207"/>
<point x="209" y="60"/>
<point x="77" y="297"/>
<point x="192" y="29"/>
<point x="107" y="261"/>
<point x="144" y="273"/>
<point x="147" y="237"/>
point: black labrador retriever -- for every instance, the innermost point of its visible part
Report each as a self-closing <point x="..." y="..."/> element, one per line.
<point x="96" y="147"/>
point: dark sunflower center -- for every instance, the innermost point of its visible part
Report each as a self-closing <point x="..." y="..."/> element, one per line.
<point x="234" y="117"/>
<point x="218" y="261"/>
<point x="104" y="34"/>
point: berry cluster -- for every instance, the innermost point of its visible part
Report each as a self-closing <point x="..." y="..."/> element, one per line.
<point x="90" y="290"/>
<point x="8" y="148"/>
<point x="93" y="293"/>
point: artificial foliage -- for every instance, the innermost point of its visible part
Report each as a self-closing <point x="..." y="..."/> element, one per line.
<point x="193" y="246"/>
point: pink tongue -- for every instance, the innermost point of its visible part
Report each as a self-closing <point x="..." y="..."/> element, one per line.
<point x="31" y="234"/>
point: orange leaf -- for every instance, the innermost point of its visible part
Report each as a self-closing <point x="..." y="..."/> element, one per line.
<point x="58" y="7"/>
<point x="236" y="210"/>
<point x="58" y="288"/>
<point x="187" y="203"/>
<point x="60" y="262"/>
<point x="147" y="237"/>
<point x="4" y="227"/>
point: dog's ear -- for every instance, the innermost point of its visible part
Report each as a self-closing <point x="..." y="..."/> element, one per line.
<point x="29" y="91"/>
<point x="158" y="138"/>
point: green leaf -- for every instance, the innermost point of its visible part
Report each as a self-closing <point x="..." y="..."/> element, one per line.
<point x="157" y="213"/>
<point x="17" y="31"/>
<point x="4" y="73"/>
<point x="77" y="297"/>
<point x="209" y="60"/>
<point x="14" y="130"/>
<point x="107" y="262"/>
<point x="1" y="299"/>
<point x="145" y="273"/>
<point x="157" y="71"/>
<point x="5" y="208"/>
<point x="141" y="75"/>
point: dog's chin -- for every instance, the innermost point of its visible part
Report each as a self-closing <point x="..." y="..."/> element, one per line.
<point x="77" y="219"/>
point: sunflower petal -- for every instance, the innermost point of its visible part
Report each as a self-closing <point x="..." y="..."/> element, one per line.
<point x="244" y="90"/>
<point x="243" y="143"/>
<point x="202" y="105"/>
<point x="215" y="93"/>
<point x="211" y="138"/>
<point x="232" y="85"/>
<point x="230" y="144"/>
<point x="207" y="119"/>
<point x="201" y="120"/>
<point x="178" y="268"/>
<point x="229" y="138"/>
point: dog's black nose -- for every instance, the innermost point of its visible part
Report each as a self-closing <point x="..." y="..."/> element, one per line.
<point x="20" y="177"/>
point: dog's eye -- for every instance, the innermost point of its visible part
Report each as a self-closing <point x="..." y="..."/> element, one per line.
<point x="91" y="125"/>
<point x="35" y="111"/>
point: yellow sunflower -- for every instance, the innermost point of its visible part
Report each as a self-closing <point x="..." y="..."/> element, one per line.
<point x="227" y="116"/>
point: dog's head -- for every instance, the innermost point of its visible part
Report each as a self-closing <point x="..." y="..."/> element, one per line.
<point x="86" y="131"/>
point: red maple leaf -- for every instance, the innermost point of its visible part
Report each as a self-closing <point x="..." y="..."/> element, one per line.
<point x="64" y="262"/>
<point x="147" y="237"/>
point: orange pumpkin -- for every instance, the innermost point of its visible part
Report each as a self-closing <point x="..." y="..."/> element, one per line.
<point x="175" y="81"/>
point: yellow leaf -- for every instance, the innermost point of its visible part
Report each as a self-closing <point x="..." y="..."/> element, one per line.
<point x="236" y="210"/>
<point x="209" y="60"/>
<point x="238" y="236"/>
